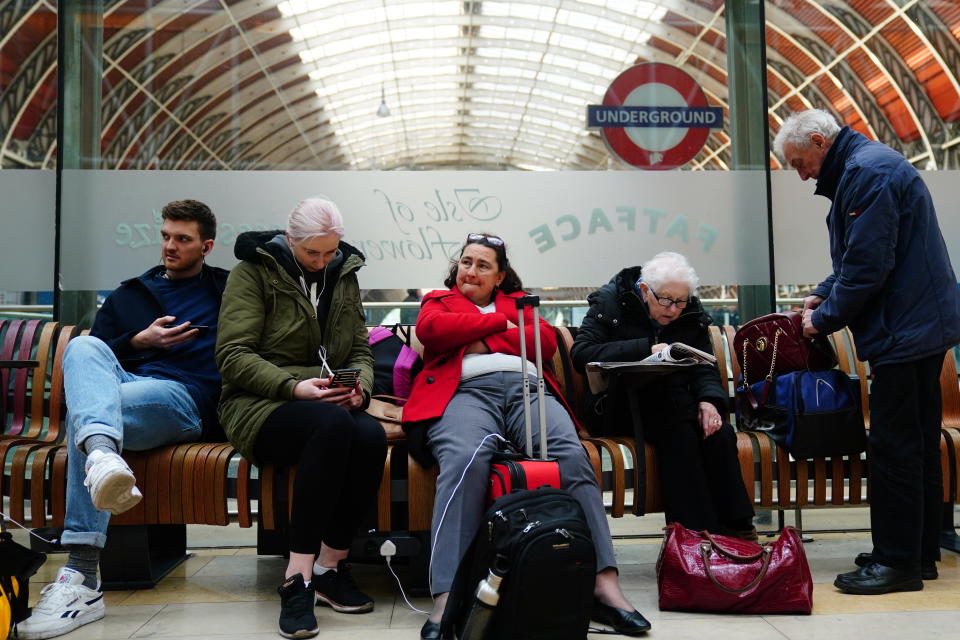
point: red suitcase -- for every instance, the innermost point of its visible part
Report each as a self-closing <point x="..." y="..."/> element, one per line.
<point x="514" y="471"/>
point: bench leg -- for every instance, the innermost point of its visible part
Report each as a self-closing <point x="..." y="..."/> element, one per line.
<point x="272" y="542"/>
<point x="948" y="533"/>
<point x="418" y="580"/>
<point x="139" y="556"/>
<point x="798" y="516"/>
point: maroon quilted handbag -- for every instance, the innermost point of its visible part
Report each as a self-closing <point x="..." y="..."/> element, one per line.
<point x="704" y="572"/>
<point x="773" y="344"/>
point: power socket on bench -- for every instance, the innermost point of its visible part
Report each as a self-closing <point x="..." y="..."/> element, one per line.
<point x="367" y="547"/>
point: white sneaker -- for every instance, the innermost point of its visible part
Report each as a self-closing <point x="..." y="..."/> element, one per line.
<point x="112" y="485"/>
<point x="64" y="605"/>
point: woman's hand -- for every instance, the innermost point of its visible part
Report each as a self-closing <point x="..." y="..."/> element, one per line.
<point x="319" y="389"/>
<point x="709" y="419"/>
<point x="657" y="348"/>
<point x="353" y="400"/>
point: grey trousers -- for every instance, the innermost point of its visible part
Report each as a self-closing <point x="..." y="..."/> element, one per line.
<point x="487" y="404"/>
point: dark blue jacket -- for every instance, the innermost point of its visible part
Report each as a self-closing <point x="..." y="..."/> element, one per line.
<point x="892" y="282"/>
<point x="133" y="306"/>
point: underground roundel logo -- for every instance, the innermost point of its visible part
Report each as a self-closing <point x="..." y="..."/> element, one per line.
<point x="654" y="116"/>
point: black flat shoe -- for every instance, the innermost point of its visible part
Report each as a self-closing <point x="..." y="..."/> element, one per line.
<point x="876" y="578"/>
<point x="629" y="623"/>
<point x="928" y="570"/>
<point x="430" y="631"/>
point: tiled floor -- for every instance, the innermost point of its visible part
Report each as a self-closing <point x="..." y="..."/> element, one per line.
<point x="231" y="592"/>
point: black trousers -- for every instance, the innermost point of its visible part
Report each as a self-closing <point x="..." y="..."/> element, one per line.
<point x="338" y="460"/>
<point x="700" y="477"/>
<point x="905" y="490"/>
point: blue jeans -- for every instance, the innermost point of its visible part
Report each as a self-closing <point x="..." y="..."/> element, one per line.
<point x="137" y="412"/>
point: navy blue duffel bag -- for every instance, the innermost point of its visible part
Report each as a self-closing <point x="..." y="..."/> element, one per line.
<point x="813" y="414"/>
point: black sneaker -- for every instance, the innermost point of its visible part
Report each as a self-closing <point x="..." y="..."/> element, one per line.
<point x="336" y="589"/>
<point x="296" y="609"/>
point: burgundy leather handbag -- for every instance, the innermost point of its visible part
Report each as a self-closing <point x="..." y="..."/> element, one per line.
<point x="773" y="344"/>
<point x="705" y="572"/>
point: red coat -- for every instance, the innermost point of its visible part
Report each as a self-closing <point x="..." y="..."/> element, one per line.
<point x="447" y="323"/>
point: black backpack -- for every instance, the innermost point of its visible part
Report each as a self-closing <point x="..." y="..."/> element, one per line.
<point x="540" y="543"/>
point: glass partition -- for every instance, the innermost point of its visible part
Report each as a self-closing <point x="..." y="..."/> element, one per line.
<point x="888" y="70"/>
<point x="28" y="129"/>
<point x="352" y="90"/>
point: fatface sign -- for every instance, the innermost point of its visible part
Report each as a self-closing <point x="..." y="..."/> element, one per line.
<point x="565" y="228"/>
<point x="655" y="116"/>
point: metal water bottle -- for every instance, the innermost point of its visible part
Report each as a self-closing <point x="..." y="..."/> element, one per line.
<point x="487" y="597"/>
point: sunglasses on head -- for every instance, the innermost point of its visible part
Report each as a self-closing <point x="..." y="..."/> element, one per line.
<point x="478" y="237"/>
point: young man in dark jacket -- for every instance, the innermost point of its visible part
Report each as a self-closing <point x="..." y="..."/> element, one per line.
<point x="144" y="377"/>
<point x="893" y="285"/>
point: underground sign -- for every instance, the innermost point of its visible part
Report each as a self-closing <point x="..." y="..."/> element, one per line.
<point x="654" y="116"/>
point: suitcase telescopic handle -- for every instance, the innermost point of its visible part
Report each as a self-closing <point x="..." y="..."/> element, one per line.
<point x="522" y="304"/>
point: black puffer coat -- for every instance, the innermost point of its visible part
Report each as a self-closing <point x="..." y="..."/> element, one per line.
<point x="618" y="328"/>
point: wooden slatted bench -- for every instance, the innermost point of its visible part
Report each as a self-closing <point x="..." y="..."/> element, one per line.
<point x="198" y="483"/>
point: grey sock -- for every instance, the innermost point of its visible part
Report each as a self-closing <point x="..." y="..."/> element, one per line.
<point x="98" y="441"/>
<point x="85" y="560"/>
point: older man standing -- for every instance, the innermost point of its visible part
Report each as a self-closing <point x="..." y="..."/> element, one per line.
<point x="893" y="285"/>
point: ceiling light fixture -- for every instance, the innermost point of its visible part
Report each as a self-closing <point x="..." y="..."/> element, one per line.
<point x="383" y="110"/>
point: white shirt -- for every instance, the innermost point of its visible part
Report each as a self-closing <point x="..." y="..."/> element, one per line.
<point x="478" y="364"/>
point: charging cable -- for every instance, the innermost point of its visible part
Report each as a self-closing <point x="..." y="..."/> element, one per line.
<point x="4" y="517"/>
<point x="388" y="549"/>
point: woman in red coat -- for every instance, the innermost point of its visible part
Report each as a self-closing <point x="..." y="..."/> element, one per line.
<point x="470" y="390"/>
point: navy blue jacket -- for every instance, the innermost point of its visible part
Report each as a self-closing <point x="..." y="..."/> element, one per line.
<point x="892" y="282"/>
<point x="133" y="306"/>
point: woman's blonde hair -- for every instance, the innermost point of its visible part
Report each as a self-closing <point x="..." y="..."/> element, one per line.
<point x="314" y="217"/>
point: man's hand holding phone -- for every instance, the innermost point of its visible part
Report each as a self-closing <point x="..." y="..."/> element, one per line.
<point x="163" y="334"/>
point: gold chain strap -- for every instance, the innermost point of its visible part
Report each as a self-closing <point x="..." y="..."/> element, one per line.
<point x="746" y="379"/>
<point x="773" y="360"/>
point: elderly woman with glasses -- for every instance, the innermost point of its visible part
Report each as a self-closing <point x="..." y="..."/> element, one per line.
<point x="291" y="312"/>
<point x="638" y="313"/>
<point x="469" y="392"/>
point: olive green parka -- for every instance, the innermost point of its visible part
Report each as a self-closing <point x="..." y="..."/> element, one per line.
<point x="268" y="337"/>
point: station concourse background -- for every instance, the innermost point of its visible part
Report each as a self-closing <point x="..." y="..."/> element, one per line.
<point x="252" y="105"/>
<point x="251" y="85"/>
<point x="476" y="85"/>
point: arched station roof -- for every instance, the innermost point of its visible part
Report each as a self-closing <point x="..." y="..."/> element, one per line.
<point x="488" y="84"/>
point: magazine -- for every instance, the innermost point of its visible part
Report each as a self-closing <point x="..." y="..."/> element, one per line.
<point x="668" y="360"/>
<point x="679" y="352"/>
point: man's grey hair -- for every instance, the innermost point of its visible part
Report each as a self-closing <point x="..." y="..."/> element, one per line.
<point x="667" y="267"/>
<point x="798" y="128"/>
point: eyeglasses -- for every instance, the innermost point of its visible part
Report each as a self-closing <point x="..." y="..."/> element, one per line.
<point x="664" y="301"/>
<point x="478" y="237"/>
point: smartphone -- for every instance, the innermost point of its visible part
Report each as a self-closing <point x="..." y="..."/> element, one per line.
<point x="345" y="377"/>
<point x="202" y="328"/>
